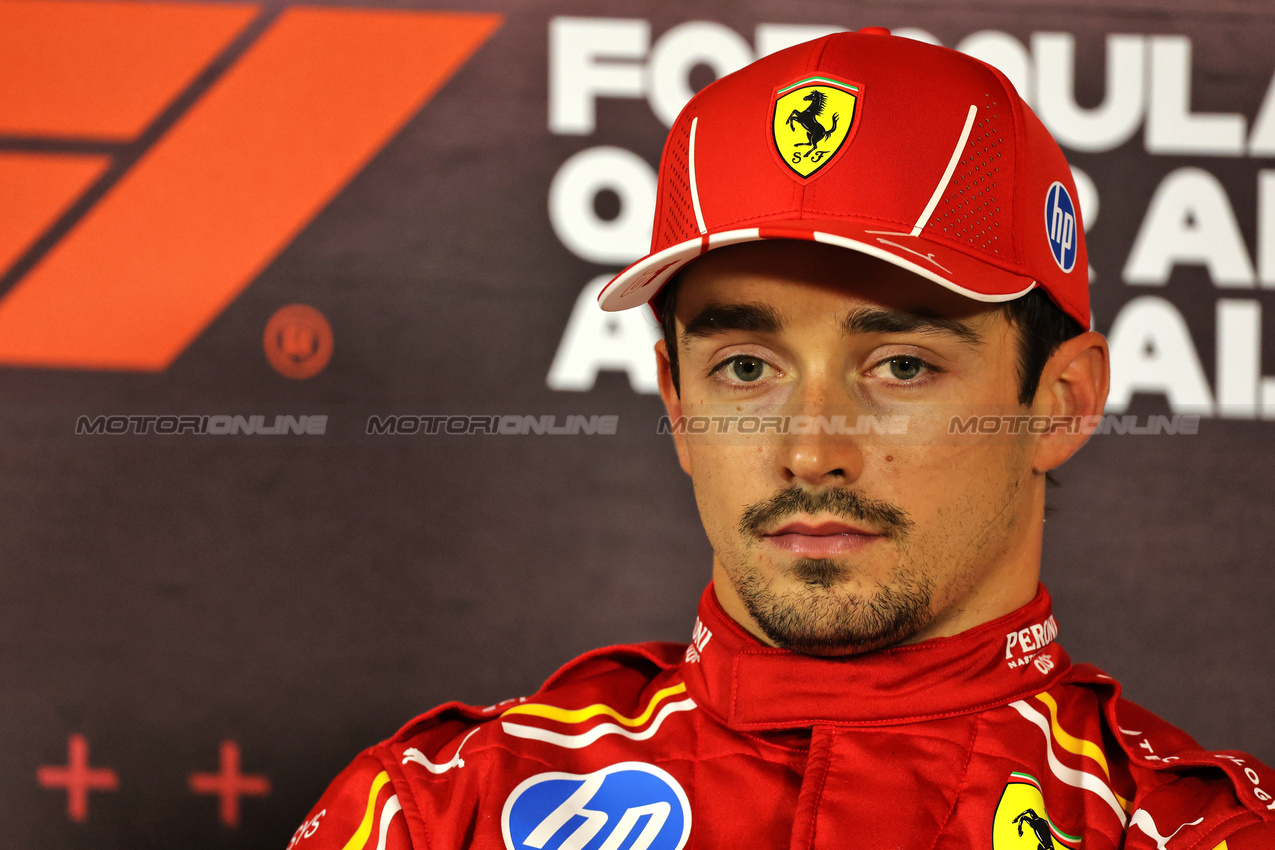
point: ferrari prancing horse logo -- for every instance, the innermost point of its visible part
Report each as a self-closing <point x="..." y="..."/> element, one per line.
<point x="1021" y="823"/>
<point x="814" y="119"/>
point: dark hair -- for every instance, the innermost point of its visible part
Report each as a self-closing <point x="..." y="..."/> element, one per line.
<point x="1042" y="327"/>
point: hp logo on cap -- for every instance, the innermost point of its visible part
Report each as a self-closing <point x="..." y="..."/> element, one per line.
<point x="1060" y="226"/>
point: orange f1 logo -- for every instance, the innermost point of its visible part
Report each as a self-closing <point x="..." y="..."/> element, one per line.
<point x="173" y="240"/>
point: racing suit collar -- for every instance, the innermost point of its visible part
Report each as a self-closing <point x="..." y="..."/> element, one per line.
<point x="750" y="686"/>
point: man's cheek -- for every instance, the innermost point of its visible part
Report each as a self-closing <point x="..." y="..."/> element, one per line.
<point x="924" y="468"/>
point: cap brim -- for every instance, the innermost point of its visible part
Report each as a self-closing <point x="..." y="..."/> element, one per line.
<point x="943" y="264"/>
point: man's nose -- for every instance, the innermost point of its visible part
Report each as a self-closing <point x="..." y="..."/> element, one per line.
<point x="818" y="450"/>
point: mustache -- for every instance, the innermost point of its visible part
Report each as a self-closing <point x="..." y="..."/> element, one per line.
<point x="890" y="520"/>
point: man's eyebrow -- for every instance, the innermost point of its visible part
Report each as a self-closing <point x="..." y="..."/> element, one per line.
<point x="722" y="318"/>
<point x="874" y="320"/>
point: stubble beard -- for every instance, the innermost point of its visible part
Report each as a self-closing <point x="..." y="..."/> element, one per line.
<point x="819" y="617"/>
<point x="819" y="614"/>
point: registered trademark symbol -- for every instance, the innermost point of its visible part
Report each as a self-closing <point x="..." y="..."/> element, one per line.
<point x="298" y="341"/>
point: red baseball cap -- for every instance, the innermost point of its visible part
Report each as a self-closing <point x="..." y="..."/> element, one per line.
<point x="916" y="154"/>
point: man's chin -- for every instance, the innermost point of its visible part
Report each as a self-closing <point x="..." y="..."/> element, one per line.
<point x="821" y="615"/>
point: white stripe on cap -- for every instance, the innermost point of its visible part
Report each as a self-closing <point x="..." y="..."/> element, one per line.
<point x="938" y="190"/>
<point x="699" y="213"/>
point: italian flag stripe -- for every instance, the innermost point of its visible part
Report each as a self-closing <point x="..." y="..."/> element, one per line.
<point x="1026" y="777"/>
<point x="1070" y="839"/>
<point x="824" y="80"/>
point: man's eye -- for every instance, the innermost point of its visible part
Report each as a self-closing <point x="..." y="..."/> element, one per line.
<point x="747" y="369"/>
<point x="905" y="368"/>
<point x="743" y="369"/>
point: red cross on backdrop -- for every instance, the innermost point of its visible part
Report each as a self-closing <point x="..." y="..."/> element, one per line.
<point x="77" y="778"/>
<point x="230" y="784"/>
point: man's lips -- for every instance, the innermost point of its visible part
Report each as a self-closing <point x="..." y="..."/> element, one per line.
<point x="821" y="540"/>
<point x="822" y="529"/>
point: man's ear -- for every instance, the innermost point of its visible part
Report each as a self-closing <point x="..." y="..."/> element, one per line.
<point x="1073" y="391"/>
<point x="672" y="403"/>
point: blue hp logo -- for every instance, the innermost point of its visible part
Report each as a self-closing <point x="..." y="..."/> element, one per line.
<point x="1060" y="226"/>
<point x="627" y="806"/>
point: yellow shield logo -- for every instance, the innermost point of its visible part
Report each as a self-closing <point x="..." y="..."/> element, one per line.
<point x="1021" y="822"/>
<point x="814" y="118"/>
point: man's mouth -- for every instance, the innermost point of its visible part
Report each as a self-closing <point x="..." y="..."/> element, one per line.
<point x="821" y="540"/>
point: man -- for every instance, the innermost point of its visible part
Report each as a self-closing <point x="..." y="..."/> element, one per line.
<point x="865" y="248"/>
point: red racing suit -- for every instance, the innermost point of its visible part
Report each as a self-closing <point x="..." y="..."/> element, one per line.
<point x="987" y="739"/>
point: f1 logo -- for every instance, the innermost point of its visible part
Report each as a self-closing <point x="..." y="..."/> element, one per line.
<point x="632" y="804"/>
<point x="207" y="136"/>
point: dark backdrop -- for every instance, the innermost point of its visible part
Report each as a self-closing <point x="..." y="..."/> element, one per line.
<point x="302" y="595"/>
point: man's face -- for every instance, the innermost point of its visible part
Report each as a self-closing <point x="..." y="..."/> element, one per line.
<point x="833" y="543"/>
